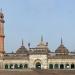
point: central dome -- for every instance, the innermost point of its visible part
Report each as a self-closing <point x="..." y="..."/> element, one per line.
<point x="42" y="44"/>
<point x="41" y="48"/>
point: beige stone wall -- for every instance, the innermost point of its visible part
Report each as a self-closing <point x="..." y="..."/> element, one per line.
<point x="33" y="59"/>
<point x="1" y="64"/>
<point x="59" y="61"/>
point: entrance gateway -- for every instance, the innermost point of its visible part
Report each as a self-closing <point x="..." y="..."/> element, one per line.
<point x="38" y="65"/>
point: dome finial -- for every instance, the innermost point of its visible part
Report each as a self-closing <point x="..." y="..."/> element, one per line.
<point x="61" y="41"/>
<point x="41" y="38"/>
<point x="22" y="43"/>
<point x="29" y="45"/>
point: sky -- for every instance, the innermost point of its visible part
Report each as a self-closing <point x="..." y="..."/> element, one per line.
<point x="29" y="19"/>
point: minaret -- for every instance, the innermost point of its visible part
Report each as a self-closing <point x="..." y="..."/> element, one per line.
<point x="1" y="32"/>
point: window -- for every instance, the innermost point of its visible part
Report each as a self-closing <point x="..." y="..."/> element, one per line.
<point x="16" y="66"/>
<point x="67" y="66"/>
<point x="72" y="66"/>
<point x="6" y="66"/>
<point x="20" y="66"/>
<point x="56" y="66"/>
<point x="50" y="66"/>
<point x="61" y="66"/>
<point x="11" y="66"/>
<point x="26" y="66"/>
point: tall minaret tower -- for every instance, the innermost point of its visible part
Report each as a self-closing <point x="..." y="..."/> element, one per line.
<point x="1" y="32"/>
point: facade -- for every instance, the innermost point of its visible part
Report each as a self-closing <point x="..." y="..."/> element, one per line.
<point x="39" y="57"/>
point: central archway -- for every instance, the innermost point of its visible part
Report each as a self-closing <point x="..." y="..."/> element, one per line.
<point x="38" y="65"/>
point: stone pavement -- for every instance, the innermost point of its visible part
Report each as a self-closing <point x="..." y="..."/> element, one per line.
<point x="37" y="72"/>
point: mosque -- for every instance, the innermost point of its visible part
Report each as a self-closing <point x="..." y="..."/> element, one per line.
<point x="39" y="57"/>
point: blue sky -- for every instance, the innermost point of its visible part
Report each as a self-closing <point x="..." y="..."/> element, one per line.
<point x="29" y="19"/>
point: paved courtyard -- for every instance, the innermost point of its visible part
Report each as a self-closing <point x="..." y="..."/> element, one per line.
<point x="38" y="72"/>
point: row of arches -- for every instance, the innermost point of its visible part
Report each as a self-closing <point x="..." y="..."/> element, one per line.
<point x="61" y="66"/>
<point x="57" y="66"/>
<point x="38" y="66"/>
<point x="16" y="66"/>
<point x="21" y="66"/>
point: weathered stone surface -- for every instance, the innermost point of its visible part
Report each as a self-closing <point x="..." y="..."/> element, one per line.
<point x="38" y="72"/>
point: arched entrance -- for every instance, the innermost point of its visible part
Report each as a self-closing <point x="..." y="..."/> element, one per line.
<point x="38" y="65"/>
